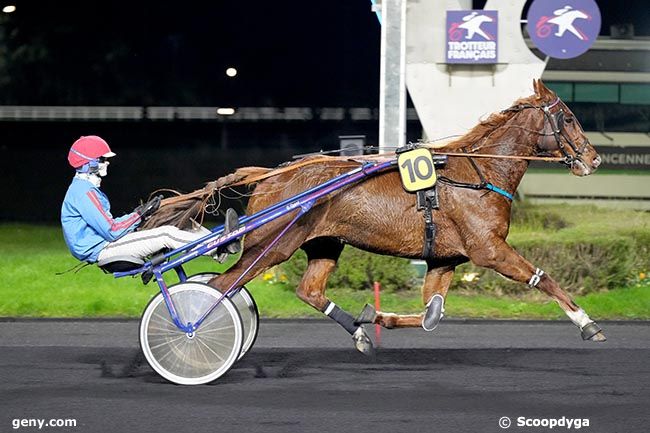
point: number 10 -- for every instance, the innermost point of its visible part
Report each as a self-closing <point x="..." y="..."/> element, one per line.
<point x="415" y="169"/>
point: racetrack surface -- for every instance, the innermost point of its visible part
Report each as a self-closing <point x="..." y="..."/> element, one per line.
<point x="305" y="376"/>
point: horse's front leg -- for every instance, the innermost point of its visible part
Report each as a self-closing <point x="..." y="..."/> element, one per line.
<point x="505" y="260"/>
<point x="434" y="292"/>
<point x="322" y="255"/>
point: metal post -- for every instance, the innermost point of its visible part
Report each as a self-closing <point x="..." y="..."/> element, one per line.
<point x="392" y="90"/>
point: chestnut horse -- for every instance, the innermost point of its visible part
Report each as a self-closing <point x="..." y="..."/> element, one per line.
<point x="379" y="216"/>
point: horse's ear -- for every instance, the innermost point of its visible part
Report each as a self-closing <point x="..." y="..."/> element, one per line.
<point x="536" y="86"/>
<point x="543" y="91"/>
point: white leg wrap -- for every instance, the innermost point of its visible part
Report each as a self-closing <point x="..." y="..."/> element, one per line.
<point x="329" y="308"/>
<point x="536" y="278"/>
<point x="579" y="318"/>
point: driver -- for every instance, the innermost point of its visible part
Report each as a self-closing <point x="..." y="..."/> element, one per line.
<point x="93" y="234"/>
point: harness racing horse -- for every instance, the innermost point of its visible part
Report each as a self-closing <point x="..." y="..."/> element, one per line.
<point x="378" y="215"/>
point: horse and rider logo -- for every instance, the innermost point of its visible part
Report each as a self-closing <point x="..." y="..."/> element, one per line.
<point x="563" y="18"/>
<point x="472" y="36"/>
<point x="563" y="28"/>
<point x="472" y="25"/>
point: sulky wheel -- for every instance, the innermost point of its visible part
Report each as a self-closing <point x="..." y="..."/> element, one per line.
<point x="199" y="357"/>
<point x="247" y="307"/>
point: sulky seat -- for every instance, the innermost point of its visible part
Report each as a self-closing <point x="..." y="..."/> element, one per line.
<point x="120" y="264"/>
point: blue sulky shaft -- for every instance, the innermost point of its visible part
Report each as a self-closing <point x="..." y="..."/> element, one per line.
<point x="343" y="179"/>
<point x="301" y="202"/>
<point x="304" y="208"/>
<point x="273" y="212"/>
<point x="304" y="204"/>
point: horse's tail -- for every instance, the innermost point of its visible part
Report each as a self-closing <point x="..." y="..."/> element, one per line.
<point x="181" y="210"/>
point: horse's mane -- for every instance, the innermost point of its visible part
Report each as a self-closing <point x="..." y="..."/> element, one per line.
<point x="485" y="127"/>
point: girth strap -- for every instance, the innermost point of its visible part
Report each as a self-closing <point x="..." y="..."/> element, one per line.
<point x="484" y="184"/>
<point x="427" y="201"/>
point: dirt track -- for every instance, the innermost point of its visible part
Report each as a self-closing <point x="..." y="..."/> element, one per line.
<point x="304" y="376"/>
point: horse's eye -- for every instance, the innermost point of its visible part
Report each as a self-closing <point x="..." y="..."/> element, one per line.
<point x="568" y="120"/>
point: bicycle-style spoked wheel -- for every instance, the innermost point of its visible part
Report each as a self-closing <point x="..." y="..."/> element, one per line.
<point x="247" y="308"/>
<point x="194" y="358"/>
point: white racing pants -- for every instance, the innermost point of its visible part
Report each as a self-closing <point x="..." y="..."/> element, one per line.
<point x="147" y="242"/>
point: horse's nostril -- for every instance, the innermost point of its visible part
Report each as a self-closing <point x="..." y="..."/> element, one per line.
<point x="596" y="162"/>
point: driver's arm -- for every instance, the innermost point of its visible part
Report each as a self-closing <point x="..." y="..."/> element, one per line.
<point x="96" y="213"/>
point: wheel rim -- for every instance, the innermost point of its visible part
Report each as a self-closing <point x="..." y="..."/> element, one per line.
<point x="247" y="308"/>
<point x="196" y="358"/>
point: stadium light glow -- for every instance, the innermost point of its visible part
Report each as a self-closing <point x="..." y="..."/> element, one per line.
<point x="225" y="111"/>
<point x="9" y="9"/>
<point x="231" y="72"/>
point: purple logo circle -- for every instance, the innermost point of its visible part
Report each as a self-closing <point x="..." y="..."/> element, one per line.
<point x="563" y="28"/>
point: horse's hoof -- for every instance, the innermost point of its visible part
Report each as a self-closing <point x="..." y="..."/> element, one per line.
<point x="435" y="310"/>
<point x="367" y="315"/>
<point x="599" y="337"/>
<point x="363" y="343"/>
<point x="591" y="331"/>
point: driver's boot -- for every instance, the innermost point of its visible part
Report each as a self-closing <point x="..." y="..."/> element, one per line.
<point x="231" y="224"/>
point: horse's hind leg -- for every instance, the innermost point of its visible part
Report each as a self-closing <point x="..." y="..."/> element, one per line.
<point x="255" y="245"/>
<point x="500" y="256"/>
<point x="322" y="254"/>
<point x="434" y="292"/>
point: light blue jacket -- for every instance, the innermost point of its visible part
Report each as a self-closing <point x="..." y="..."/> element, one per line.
<point x="87" y="221"/>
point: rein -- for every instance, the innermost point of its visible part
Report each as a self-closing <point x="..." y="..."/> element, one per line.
<point x="558" y="132"/>
<point x="487" y="155"/>
<point x="555" y="120"/>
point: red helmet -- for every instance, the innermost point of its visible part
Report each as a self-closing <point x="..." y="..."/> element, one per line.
<point x="87" y="149"/>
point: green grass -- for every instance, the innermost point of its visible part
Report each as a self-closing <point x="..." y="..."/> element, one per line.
<point x="625" y="303"/>
<point x="583" y="221"/>
<point x="31" y="258"/>
<point x="32" y="255"/>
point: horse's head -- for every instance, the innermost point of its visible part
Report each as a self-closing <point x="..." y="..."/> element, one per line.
<point x="483" y="19"/>
<point x="578" y="14"/>
<point x="562" y="135"/>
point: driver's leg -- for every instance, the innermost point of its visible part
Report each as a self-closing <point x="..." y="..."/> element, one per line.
<point x="147" y="242"/>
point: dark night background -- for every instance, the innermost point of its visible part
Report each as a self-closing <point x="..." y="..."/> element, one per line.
<point x="288" y="53"/>
<point x="292" y="53"/>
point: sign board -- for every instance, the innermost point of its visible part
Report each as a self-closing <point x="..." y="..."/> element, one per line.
<point x="472" y="36"/>
<point x="563" y="29"/>
<point x="624" y="158"/>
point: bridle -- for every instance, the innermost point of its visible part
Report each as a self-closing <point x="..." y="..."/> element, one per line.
<point x="556" y="121"/>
